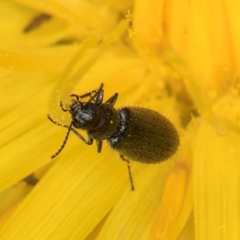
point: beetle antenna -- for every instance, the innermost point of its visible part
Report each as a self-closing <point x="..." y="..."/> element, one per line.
<point x="64" y="142"/>
<point x="59" y="124"/>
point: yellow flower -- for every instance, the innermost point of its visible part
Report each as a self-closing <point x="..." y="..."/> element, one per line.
<point x="179" y="58"/>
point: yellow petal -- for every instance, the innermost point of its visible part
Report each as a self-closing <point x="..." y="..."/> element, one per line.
<point x="216" y="184"/>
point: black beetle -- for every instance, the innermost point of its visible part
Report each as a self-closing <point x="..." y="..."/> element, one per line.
<point x="137" y="133"/>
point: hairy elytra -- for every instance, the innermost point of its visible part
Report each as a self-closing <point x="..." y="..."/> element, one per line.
<point x="137" y="133"/>
<point x="147" y="136"/>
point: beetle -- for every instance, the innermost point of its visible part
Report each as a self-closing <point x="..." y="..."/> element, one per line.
<point x="137" y="133"/>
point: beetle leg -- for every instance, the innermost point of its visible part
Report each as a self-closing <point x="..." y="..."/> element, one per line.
<point x="76" y="96"/>
<point x="89" y="94"/>
<point x="98" y="93"/>
<point x="112" y="99"/>
<point x="89" y="141"/>
<point x="65" y="140"/>
<point x="99" y="146"/>
<point x="99" y="98"/>
<point x="129" y="170"/>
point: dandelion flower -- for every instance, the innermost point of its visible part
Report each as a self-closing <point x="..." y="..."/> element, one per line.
<point x="178" y="58"/>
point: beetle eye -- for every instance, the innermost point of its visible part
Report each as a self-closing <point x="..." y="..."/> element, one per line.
<point x="91" y="107"/>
